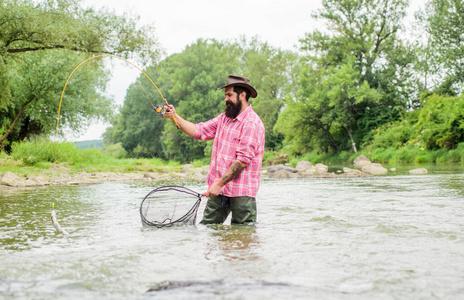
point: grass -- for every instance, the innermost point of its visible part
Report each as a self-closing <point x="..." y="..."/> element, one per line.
<point x="41" y="155"/>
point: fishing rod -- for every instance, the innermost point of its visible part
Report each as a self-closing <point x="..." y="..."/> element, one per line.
<point x="161" y="109"/>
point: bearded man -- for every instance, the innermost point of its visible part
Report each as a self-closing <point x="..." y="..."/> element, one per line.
<point x="237" y="154"/>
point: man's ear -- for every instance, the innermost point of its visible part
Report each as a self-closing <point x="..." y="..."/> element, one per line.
<point x="242" y="94"/>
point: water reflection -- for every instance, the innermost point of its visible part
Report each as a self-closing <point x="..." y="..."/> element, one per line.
<point x="453" y="182"/>
<point x="233" y="242"/>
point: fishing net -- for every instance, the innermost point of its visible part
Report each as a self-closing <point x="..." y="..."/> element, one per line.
<point x="170" y="205"/>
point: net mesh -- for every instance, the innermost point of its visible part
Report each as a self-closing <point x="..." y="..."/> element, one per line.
<point x="171" y="205"/>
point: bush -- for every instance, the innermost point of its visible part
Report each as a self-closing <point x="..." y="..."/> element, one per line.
<point x="115" y="150"/>
<point x="425" y="157"/>
<point x="42" y="150"/>
<point x="34" y="151"/>
<point x="441" y="122"/>
<point x="452" y="156"/>
<point x="201" y="162"/>
<point x="275" y="158"/>
<point x="394" y="135"/>
<point x="313" y="157"/>
<point x="383" y="155"/>
<point x="3" y="155"/>
<point x="407" y="154"/>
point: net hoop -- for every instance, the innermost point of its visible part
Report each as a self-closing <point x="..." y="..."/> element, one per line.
<point x="168" y="222"/>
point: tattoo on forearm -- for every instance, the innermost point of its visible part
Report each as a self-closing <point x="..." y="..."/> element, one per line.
<point x="233" y="172"/>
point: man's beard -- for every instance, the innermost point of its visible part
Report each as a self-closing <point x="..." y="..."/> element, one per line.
<point x="233" y="109"/>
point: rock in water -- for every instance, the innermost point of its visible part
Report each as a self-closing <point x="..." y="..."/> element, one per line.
<point x="361" y="161"/>
<point x="374" y="169"/>
<point x="418" y="171"/>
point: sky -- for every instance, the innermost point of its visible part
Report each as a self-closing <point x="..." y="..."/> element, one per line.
<point x="179" y="23"/>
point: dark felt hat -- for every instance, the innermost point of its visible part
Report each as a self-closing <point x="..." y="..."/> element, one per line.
<point x="234" y="80"/>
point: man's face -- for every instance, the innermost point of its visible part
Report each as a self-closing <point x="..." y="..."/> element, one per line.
<point x="233" y="104"/>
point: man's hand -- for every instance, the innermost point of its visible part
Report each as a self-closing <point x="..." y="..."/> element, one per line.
<point x="215" y="188"/>
<point x="170" y="111"/>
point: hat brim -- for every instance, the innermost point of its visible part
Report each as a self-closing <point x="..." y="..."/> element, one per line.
<point x="253" y="92"/>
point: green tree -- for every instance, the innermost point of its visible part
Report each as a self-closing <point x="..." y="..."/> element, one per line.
<point x="38" y="79"/>
<point x="444" y="23"/>
<point x="355" y="77"/>
<point x="325" y="119"/>
<point x="40" y="42"/>
<point x="136" y="127"/>
<point x="62" y="24"/>
<point x="272" y="72"/>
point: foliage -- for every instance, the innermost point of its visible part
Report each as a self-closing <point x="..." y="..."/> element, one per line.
<point x="331" y="103"/>
<point x="441" y="122"/>
<point x="443" y="20"/>
<point x="197" y="72"/>
<point x="275" y="158"/>
<point x="115" y="150"/>
<point x="62" y="24"/>
<point x="396" y="134"/>
<point x="40" y="43"/>
<point x="137" y="128"/>
<point x="36" y="94"/>
<point x="413" y="154"/>
<point x="432" y="134"/>
<point x="354" y="77"/>
<point x="272" y="72"/>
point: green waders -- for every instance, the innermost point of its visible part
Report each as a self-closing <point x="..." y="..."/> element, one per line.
<point x="218" y="208"/>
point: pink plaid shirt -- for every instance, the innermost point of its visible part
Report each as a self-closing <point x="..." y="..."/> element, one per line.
<point x="240" y="139"/>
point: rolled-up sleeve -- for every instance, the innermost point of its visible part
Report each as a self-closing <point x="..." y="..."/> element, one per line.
<point x="249" y="142"/>
<point x="207" y="130"/>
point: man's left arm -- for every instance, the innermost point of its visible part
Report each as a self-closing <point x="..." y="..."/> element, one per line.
<point x="233" y="172"/>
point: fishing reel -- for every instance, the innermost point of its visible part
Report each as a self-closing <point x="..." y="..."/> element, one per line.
<point x="160" y="109"/>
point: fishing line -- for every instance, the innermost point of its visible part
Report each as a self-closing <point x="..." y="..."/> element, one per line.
<point x="156" y="108"/>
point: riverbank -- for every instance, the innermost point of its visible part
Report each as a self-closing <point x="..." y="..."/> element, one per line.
<point x="58" y="174"/>
<point x="24" y="177"/>
<point x="44" y="163"/>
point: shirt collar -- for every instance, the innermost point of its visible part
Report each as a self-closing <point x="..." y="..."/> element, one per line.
<point x="243" y="114"/>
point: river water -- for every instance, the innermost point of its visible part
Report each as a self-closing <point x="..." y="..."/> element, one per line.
<point x="393" y="237"/>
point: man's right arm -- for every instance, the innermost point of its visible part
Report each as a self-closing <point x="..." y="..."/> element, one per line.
<point x="186" y="126"/>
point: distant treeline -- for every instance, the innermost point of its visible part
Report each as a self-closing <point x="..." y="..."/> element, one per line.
<point x="90" y="144"/>
<point x="357" y="83"/>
